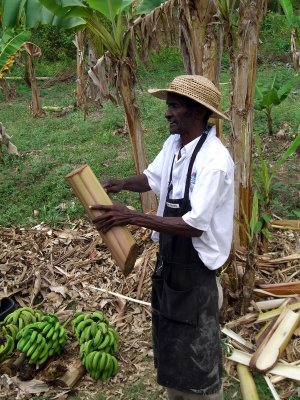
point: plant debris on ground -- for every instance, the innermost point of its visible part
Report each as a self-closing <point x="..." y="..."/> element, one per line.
<point x="59" y="271"/>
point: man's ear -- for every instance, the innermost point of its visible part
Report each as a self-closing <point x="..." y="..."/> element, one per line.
<point x="200" y="113"/>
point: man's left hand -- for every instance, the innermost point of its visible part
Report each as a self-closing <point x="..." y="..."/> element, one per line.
<point x="115" y="215"/>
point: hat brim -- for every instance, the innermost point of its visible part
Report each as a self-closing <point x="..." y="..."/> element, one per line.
<point x="162" y="95"/>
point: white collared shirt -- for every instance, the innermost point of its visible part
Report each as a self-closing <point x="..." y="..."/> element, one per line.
<point x="211" y="192"/>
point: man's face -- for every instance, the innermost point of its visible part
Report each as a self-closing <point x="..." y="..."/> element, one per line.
<point x="178" y="115"/>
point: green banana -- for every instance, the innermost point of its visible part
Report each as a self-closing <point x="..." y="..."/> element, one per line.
<point x="88" y="361"/>
<point x="21" y="344"/>
<point x="98" y="315"/>
<point x="46" y="328"/>
<point x="115" y="365"/>
<point x="89" y="347"/>
<point x="21" y="323"/>
<point x="96" y="374"/>
<point x="103" y="327"/>
<point x="77" y="314"/>
<point x="105" y="342"/>
<point x="27" y="328"/>
<point x="63" y="340"/>
<point x="43" y="359"/>
<point x="94" y="329"/>
<point x="39" y="338"/>
<point x="30" y="341"/>
<point x="13" y="317"/>
<point x="107" y="349"/>
<point x="12" y="330"/>
<point x="78" y="318"/>
<point x="82" y="351"/>
<point x="27" y="309"/>
<point x="55" y="335"/>
<point x="82" y="325"/>
<point x="61" y="331"/>
<point x="111" y="336"/>
<point x="8" y="347"/>
<point x="31" y="350"/>
<point x="96" y="359"/>
<point x="38" y="314"/>
<point x="87" y="333"/>
<point x="27" y="316"/>
<point x="105" y="375"/>
<point x="110" y="366"/>
<point x="50" y="333"/>
<point x="51" y="352"/>
<point x="44" y="351"/>
<point x="36" y="353"/>
<point x="27" y="346"/>
<point x="102" y="361"/>
<point x="98" y="338"/>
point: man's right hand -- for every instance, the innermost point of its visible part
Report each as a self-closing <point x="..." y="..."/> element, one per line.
<point x="113" y="185"/>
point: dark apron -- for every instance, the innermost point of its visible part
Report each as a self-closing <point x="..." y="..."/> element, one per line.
<point x="185" y="327"/>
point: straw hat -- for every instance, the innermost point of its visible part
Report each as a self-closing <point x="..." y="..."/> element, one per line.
<point x="196" y="87"/>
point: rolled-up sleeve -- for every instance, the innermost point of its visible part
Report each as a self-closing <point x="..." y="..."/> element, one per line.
<point x="208" y="193"/>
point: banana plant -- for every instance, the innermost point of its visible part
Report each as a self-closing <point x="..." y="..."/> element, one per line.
<point x="252" y="228"/>
<point x="256" y="227"/>
<point x="17" y="18"/>
<point x="268" y="97"/>
<point x="107" y="22"/>
<point x="264" y="182"/>
<point x="294" y="24"/>
<point x="266" y="174"/>
<point x="10" y="44"/>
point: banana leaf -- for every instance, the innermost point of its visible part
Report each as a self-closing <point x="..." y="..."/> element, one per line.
<point x="109" y="8"/>
<point x="13" y="46"/>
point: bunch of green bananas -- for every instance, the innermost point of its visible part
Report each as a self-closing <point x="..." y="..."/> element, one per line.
<point x="105" y="340"/>
<point x="23" y="316"/>
<point x="101" y="365"/>
<point x="85" y="326"/>
<point x="40" y="340"/>
<point x="95" y="328"/>
<point x="7" y="341"/>
<point x="96" y="336"/>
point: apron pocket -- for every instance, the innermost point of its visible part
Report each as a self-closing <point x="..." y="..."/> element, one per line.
<point x="180" y="306"/>
<point x="156" y="296"/>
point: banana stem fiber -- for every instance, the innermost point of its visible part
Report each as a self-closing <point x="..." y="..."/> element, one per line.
<point x="74" y="373"/>
<point x="248" y="388"/>
<point x="119" y="240"/>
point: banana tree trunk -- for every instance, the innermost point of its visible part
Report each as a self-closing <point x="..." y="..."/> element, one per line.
<point x="93" y="92"/>
<point x="243" y="65"/>
<point x="200" y="41"/>
<point x="36" y="105"/>
<point x="248" y="279"/>
<point x="80" y="80"/>
<point x="4" y="88"/>
<point x="198" y="38"/>
<point x="295" y="52"/>
<point x="148" y="199"/>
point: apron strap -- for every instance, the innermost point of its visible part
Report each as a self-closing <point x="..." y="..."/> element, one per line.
<point x="170" y="184"/>
<point x="188" y="177"/>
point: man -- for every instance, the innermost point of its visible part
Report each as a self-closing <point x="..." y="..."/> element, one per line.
<point x="193" y="177"/>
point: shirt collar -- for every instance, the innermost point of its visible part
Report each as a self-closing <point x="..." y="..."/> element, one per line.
<point x="188" y="149"/>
